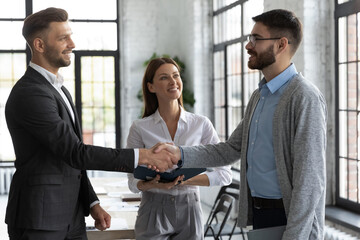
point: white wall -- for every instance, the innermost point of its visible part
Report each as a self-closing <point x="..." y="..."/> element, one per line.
<point x="175" y="27"/>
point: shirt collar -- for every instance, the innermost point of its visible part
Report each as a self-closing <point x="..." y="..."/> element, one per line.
<point x="57" y="81"/>
<point x="280" y="79"/>
<point x="158" y="118"/>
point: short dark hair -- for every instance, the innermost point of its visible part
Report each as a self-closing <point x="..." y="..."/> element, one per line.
<point x="150" y="100"/>
<point x="36" y="23"/>
<point x="282" y="23"/>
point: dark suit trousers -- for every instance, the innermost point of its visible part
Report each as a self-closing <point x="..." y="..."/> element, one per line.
<point x="264" y="218"/>
<point x="75" y="231"/>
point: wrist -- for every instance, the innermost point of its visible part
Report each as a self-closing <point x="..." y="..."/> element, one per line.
<point x="142" y="156"/>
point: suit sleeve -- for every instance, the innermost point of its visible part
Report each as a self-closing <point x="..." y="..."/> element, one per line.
<point x="214" y="155"/>
<point x="37" y="111"/>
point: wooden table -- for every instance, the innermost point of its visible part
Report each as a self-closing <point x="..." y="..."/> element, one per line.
<point x="123" y="214"/>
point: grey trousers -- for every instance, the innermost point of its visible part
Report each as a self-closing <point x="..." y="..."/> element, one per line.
<point x="163" y="216"/>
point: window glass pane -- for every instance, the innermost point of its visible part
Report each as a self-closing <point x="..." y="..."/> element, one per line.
<point x="343" y="176"/>
<point x="343" y="138"/>
<point x="352" y="86"/>
<point x="219" y="30"/>
<point x="12" y="67"/>
<point x="98" y="100"/>
<point x="13" y="31"/>
<point x="234" y="118"/>
<point x="12" y="9"/>
<point x="251" y="79"/>
<point x="232" y="23"/>
<point x="222" y="3"/>
<point x="342" y="38"/>
<point x="220" y="123"/>
<point x="351" y="28"/>
<point x="219" y="81"/>
<point x="352" y="134"/>
<point x="234" y="79"/>
<point x="342" y="86"/>
<point x="251" y="11"/>
<point x="68" y="74"/>
<point x="358" y="36"/>
<point x="81" y="9"/>
<point x="353" y="184"/>
<point x="94" y="36"/>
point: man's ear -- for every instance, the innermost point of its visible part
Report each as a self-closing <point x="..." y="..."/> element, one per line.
<point x="283" y="44"/>
<point x="39" y="45"/>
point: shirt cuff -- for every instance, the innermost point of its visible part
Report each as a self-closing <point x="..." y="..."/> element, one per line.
<point x="181" y="161"/>
<point x="136" y="157"/>
<point x="94" y="203"/>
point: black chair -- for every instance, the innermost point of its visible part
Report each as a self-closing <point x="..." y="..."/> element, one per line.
<point x="228" y="229"/>
<point x="223" y="208"/>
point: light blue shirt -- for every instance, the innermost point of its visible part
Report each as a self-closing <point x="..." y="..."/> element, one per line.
<point x="261" y="169"/>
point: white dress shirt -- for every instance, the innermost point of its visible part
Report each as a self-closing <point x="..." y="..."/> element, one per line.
<point x="192" y="130"/>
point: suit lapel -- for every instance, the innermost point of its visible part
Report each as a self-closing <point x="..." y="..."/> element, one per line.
<point x="35" y="75"/>
<point x="77" y="122"/>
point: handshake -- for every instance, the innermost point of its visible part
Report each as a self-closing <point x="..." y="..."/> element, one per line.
<point x="160" y="157"/>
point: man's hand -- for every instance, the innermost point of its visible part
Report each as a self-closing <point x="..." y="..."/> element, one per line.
<point x="159" y="160"/>
<point x="101" y="217"/>
<point x="168" y="147"/>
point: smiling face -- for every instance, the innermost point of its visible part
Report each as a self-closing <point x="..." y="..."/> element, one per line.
<point x="58" y="45"/>
<point x="262" y="55"/>
<point x="167" y="83"/>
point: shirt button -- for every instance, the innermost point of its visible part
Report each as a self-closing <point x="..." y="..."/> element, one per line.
<point x="252" y="143"/>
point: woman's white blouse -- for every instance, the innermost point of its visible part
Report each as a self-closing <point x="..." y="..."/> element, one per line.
<point x="192" y="130"/>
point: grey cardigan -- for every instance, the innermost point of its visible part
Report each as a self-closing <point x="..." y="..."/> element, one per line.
<point x="299" y="138"/>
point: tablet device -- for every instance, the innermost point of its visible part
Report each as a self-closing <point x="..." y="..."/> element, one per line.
<point x="145" y="173"/>
<point x="272" y="233"/>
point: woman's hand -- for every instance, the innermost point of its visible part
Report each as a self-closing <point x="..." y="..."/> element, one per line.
<point x="154" y="183"/>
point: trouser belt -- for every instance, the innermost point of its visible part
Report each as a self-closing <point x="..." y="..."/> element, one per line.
<point x="265" y="203"/>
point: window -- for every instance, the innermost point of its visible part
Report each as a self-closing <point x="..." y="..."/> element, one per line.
<point x="92" y="78"/>
<point x="233" y="81"/>
<point x="347" y="28"/>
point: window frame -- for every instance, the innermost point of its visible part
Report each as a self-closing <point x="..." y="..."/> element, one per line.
<point x="344" y="10"/>
<point x="77" y="71"/>
<point x="223" y="47"/>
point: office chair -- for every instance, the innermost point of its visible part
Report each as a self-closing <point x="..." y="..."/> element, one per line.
<point x="223" y="208"/>
<point x="228" y="229"/>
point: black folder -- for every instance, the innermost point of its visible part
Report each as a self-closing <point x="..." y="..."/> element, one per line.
<point x="144" y="173"/>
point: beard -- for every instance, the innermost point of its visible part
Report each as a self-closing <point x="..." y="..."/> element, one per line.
<point x="262" y="60"/>
<point x="55" y="59"/>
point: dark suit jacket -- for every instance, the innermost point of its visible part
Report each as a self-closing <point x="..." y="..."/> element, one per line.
<point x="51" y="158"/>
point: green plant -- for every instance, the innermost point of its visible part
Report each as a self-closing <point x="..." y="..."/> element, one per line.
<point x="188" y="95"/>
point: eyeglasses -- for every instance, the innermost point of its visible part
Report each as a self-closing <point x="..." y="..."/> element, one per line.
<point x="252" y="39"/>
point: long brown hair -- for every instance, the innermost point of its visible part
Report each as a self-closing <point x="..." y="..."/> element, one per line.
<point x="150" y="100"/>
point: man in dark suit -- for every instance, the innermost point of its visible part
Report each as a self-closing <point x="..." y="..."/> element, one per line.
<point x="50" y="192"/>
